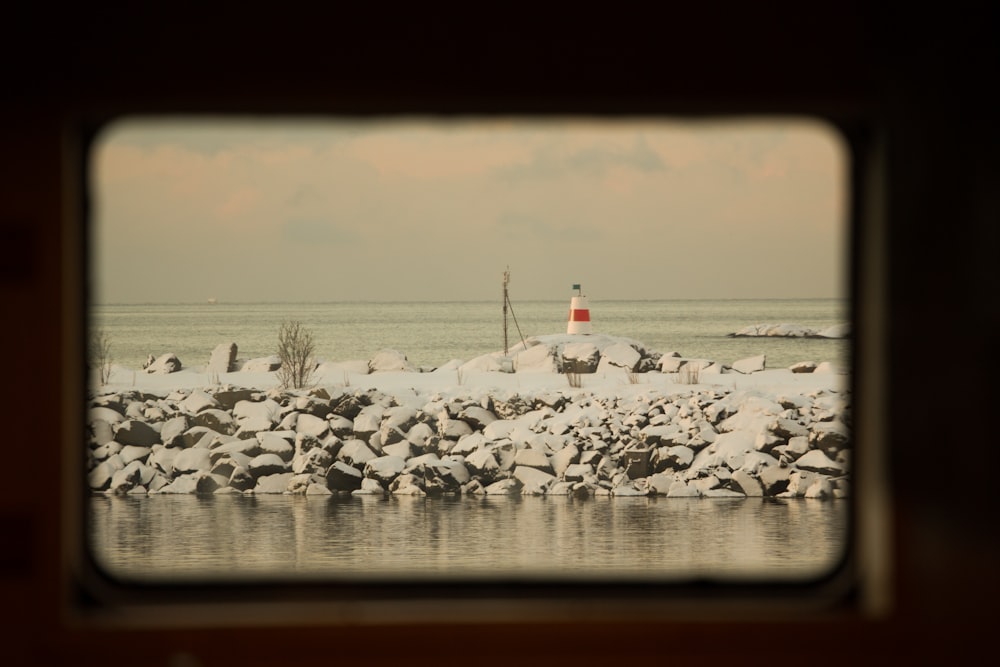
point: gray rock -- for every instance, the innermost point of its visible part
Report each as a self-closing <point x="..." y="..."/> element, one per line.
<point x="265" y="465"/>
<point x="343" y="477"/>
<point x="134" y="432"/>
<point x="217" y="420"/>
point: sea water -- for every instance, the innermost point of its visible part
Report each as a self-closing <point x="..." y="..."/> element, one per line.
<point x="431" y="334"/>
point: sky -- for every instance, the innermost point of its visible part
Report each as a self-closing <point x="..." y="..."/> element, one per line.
<point x="426" y="209"/>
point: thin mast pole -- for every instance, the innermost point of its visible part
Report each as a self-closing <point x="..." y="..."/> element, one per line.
<point x="506" y="279"/>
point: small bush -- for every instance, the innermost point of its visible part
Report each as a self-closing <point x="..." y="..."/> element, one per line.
<point x="100" y="354"/>
<point x="296" y="350"/>
<point x="688" y="374"/>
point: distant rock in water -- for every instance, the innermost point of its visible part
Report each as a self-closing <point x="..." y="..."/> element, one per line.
<point x="791" y="331"/>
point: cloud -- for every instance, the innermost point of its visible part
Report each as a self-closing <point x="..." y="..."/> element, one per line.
<point x="562" y="160"/>
<point x="238" y="203"/>
<point x="315" y="231"/>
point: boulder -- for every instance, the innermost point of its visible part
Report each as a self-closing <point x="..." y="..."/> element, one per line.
<point x="564" y="458"/>
<point x="477" y="417"/>
<point x="191" y="460"/>
<point x="384" y="468"/>
<point x="316" y="460"/>
<point x="174" y="428"/>
<point x="504" y="487"/>
<point x="312" y="425"/>
<point x="99" y="478"/>
<point x="803" y="367"/>
<point x="274" y="483"/>
<point x="445" y="476"/>
<point x="533" y="458"/>
<point x="831" y="437"/>
<point x="677" y="457"/>
<point x="241" y="479"/>
<point x="249" y="448"/>
<point x="816" y="461"/>
<point x="483" y="464"/>
<point x="217" y="420"/>
<point x="130" y="453"/>
<point x="745" y="482"/>
<point x="579" y="472"/>
<point x="162" y="458"/>
<point x="343" y="477"/>
<point x="198" y="401"/>
<point x="467" y="444"/>
<point x="534" y="482"/>
<point x="165" y="363"/>
<point x="267" y="464"/>
<point x="228" y="398"/>
<point x="403" y="449"/>
<point x="134" y="432"/>
<point x="355" y="453"/>
<point x="407" y="485"/>
<point x="580" y="358"/>
<point x="262" y="365"/>
<point x="618" y="356"/>
<point x="300" y="483"/>
<point x="388" y="361"/>
<point x="369" y="487"/>
<point x="750" y="364"/>
<point x="636" y="462"/>
<point x="271" y="442"/>
<point x="223" y="359"/>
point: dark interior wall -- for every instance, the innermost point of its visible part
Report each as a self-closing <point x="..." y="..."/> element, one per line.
<point x="917" y="83"/>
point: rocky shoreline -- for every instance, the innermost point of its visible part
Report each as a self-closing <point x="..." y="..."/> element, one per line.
<point x="691" y="441"/>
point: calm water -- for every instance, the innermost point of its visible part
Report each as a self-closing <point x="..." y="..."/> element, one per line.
<point x="431" y="334"/>
<point x="238" y="537"/>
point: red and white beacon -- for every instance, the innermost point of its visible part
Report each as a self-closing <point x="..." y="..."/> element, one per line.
<point x="579" y="314"/>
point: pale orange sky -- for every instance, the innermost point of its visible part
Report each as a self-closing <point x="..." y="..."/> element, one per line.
<point x="426" y="210"/>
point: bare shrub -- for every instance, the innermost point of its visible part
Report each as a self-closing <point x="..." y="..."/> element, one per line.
<point x="633" y="377"/>
<point x="688" y="374"/>
<point x="296" y="350"/>
<point x="575" y="380"/>
<point x="100" y="354"/>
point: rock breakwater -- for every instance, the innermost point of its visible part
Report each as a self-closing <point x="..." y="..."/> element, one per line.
<point x="688" y="442"/>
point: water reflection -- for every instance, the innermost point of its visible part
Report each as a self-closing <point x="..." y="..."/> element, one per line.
<point x="235" y="537"/>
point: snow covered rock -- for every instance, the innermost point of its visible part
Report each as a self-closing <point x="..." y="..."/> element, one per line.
<point x="274" y="483"/>
<point x="580" y="358"/>
<point x="750" y="364"/>
<point x="618" y="356"/>
<point x="223" y="359"/>
<point x="343" y="477"/>
<point x="164" y="364"/>
<point x="816" y="461"/>
<point x="267" y="464"/>
<point x="388" y="361"/>
<point x="192" y="460"/>
<point x="534" y="482"/>
<point x="384" y="468"/>
<point x="262" y="364"/>
<point x="533" y="458"/>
